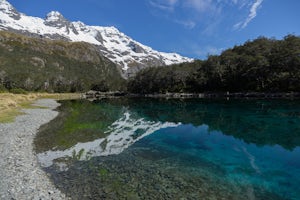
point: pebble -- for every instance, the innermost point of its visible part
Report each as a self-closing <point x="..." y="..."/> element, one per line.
<point x="20" y="174"/>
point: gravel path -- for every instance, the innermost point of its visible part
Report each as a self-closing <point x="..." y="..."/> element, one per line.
<point x="20" y="174"/>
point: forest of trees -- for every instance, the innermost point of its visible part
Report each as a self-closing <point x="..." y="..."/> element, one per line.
<point x="261" y="65"/>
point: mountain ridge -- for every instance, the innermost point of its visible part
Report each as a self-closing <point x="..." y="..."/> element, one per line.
<point x="121" y="49"/>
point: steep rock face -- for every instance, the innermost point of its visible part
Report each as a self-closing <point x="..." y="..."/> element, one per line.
<point x="127" y="53"/>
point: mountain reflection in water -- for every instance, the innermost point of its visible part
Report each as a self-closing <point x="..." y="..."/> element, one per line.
<point x="120" y="135"/>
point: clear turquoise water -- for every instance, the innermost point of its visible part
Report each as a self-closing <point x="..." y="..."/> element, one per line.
<point x="174" y="149"/>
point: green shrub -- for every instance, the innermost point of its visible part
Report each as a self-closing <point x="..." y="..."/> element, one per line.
<point x="3" y="89"/>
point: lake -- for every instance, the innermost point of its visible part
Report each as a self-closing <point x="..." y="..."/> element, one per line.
<point x="143" y="148"/>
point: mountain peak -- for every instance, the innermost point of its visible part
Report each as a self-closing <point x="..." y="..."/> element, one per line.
<point x="4" y="3"/>
<point x="7" y="8"/>
<point x="55" y="19"/>
<point x="54" y="16"/>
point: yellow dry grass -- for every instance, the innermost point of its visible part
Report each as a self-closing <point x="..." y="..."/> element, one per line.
<point x="11" y="104"/>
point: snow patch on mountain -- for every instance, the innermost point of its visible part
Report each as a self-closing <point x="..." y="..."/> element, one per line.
<point x="53" y="16"/>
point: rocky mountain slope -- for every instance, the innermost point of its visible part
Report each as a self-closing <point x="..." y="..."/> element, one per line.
<point x="38" y="64"/>
<point x="128" y="54"/>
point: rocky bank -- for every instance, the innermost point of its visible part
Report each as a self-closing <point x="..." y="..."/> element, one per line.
<point x="20" y="174"/>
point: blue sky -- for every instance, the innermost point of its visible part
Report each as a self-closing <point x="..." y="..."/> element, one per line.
<point x="193" y="28"/>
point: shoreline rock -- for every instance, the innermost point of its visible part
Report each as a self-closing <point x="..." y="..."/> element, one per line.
<point x="234" y="95"/>
<point x="21" y="177"/>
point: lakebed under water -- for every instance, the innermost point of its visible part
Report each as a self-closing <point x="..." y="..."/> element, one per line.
<point x="142" y="148"/>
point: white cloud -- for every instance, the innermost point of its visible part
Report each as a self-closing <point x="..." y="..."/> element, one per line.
<point x="211" y="28"/>
<point x="253" y="12"/>
<point x="203" y="52"/>
<point x="213" y="50"/>
<point x="208" y="15"/>
<point x="186" y="23"/>
<point x="171" y="2"/>
<point x="200" y="5"/>
<point x="196" y="5"/>
<point x="167" y="5"/>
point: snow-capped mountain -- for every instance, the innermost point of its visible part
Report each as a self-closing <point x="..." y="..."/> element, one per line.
<point x="129" y="54"/>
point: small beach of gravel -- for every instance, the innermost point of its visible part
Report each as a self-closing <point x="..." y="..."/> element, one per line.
<point x="20" y="174"/>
